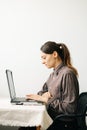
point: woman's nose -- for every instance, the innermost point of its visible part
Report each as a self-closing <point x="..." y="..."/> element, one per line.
<point x="43" y="62"/>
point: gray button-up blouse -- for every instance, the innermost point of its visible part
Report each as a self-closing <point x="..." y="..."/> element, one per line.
<point x="64" y="87"/>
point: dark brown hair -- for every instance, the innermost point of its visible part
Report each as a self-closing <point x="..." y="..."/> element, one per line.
<point x="62" y="50"/>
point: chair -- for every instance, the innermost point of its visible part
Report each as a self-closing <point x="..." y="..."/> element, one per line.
<point x="72" y="121"/>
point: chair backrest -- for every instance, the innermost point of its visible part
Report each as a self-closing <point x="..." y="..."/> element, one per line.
<point x="82" y="103"/>
<point x="81" y="109"/>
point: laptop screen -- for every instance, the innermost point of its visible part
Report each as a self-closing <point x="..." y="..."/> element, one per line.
<point x="10" y="84"/>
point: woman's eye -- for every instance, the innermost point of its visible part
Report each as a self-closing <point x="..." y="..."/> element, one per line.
<point x="44" y="58"/>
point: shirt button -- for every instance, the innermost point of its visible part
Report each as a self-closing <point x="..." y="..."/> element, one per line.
<point x="57" y="73"/>
<point x="65" y="125"/>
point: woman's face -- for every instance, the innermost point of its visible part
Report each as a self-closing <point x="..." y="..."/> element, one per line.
<point x="49" y="60"/>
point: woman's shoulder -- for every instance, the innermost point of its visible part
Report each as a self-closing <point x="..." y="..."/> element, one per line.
<point x="67" y="70"/>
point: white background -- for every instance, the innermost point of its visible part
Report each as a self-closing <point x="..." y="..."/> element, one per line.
<point x="25" y="25"/>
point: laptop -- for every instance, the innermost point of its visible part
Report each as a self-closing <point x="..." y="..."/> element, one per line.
<point x="12" y="92"/>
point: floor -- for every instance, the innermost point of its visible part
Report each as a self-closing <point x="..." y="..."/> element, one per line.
<point x="8" y="128"/>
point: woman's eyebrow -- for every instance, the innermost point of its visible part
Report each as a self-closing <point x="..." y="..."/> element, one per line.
<point x="42" y="56"/>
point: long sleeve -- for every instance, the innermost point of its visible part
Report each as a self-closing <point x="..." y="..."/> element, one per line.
<point x="65" y="99"/>
<point x="44" y="89"/>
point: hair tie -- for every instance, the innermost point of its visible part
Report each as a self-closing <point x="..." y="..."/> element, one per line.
<point x="60" y="47"/>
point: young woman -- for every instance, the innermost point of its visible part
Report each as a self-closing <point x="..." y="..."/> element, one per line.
<point x="60" y="92"/>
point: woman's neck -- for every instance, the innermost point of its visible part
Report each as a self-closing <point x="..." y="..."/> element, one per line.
<point x="57" y="64"/>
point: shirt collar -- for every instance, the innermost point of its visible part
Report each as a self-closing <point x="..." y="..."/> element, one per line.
<point x="57" y="69"/>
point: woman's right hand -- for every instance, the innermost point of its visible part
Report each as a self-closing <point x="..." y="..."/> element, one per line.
<point x="37" y="97"/>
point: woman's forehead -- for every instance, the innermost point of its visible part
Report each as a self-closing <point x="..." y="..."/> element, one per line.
<point x="43" y="54"/>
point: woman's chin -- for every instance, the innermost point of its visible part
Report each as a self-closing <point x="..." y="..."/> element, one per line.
<point x="49" y="67"/>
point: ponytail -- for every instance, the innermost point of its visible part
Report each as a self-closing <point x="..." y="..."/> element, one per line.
<point x="67" y="59"/>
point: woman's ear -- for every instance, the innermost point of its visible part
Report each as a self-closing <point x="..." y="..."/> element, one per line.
<point x="55" y="54"/>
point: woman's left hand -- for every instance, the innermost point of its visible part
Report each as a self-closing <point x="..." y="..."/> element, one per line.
<point x="47" y="95"/>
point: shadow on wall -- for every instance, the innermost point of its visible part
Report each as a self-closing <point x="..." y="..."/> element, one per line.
<point x="8" y="128"/>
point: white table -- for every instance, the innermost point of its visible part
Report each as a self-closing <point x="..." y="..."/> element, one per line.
<point x="23" y="115"/>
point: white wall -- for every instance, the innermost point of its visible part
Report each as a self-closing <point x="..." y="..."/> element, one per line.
<point x="25" y="25"/>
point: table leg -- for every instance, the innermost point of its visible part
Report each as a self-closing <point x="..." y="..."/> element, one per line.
<point x="38" y="127"/>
